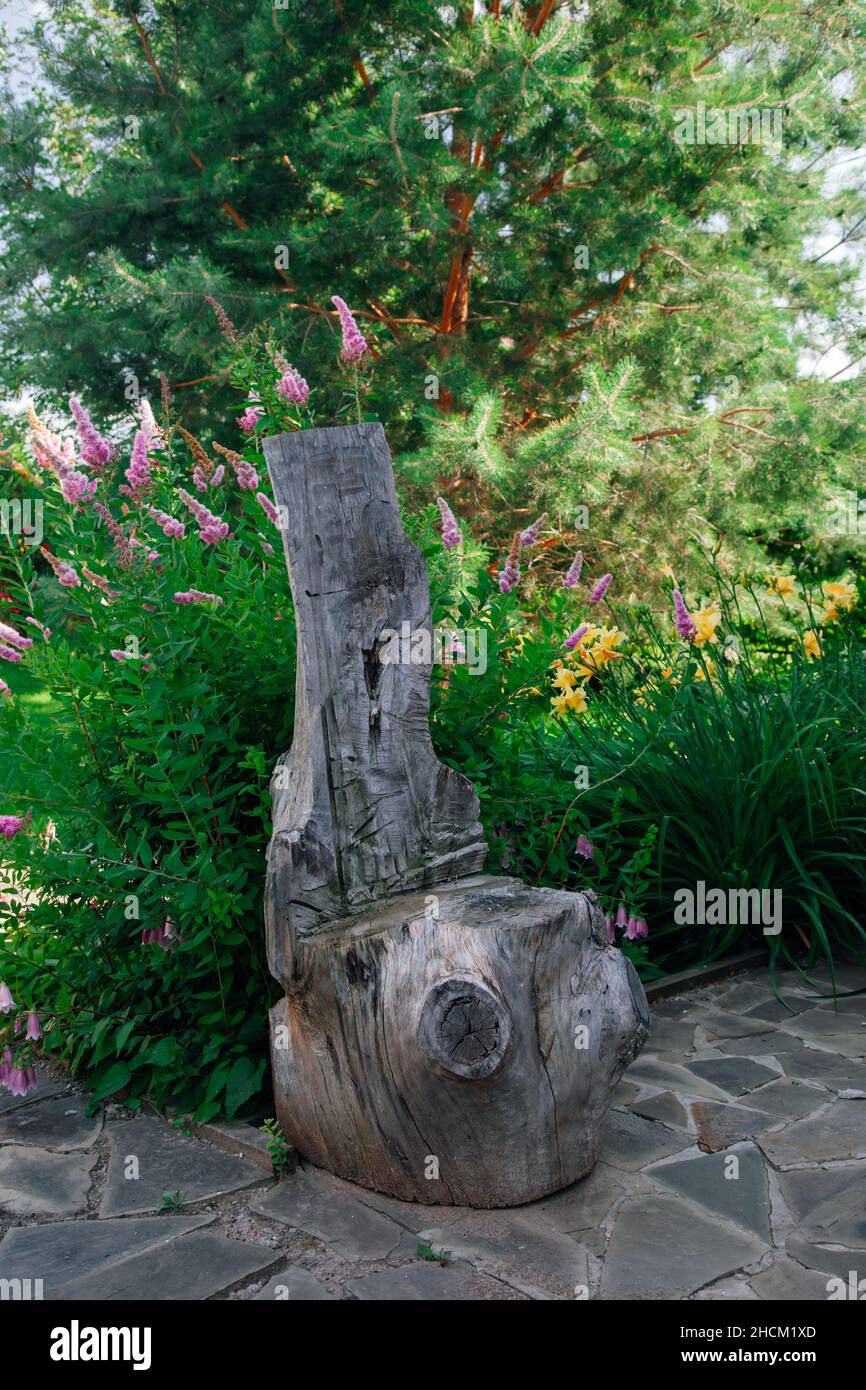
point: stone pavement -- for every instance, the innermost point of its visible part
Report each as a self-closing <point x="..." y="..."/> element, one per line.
<point x="732" y="1169"/>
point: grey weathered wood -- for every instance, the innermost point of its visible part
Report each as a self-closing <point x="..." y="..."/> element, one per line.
<point x="444" y="1036"/>
<point x="362" y="806"/>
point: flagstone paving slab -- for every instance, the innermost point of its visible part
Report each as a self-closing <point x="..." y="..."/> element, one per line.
<point x="354" y="1230"/>
<point x="779" y="1010"/>
<point x="662" y="1247"/>
<point x="47" y="1087"/>
<point x="724" y="1025"/>
<point x="294" y="1286"/>
<point x="150" y="1159"/>
<point x="736" y="1075"/>
<point x="828" y="1204"/>
<point x="630" y="1141"/>
<point x="670" y="1076"/>
<point x="194" y="1266"/>
<point x="789" y="1098"/>
<point x="52" y="1124"/>
<point x="585" y="1204"/>
<point x="719" y="1126"/>
<point x="822" y="1023"/>
<point x="836" y="1132"/>
<point x="429" y="1282"/>
<point x="518" y="1247"/>
<point x="840" y="1073"/>
<point x="35" y="1182"/>
<point x="65" y="1250"/>
<point x="787" y="1280"/>
<point x="837" y="1263"/>
<point x="739" y="1193"/>
<point x="761" y="1046"/>
<point x="664" y="1107"/>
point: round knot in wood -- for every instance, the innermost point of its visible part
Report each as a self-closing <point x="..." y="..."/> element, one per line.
<point x="465" y="1028"/>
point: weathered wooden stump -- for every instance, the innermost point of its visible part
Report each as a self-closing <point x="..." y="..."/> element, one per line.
<point x="444" y="1036"/>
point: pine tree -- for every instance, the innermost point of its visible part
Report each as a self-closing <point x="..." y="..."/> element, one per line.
<point x="558" y="220"/>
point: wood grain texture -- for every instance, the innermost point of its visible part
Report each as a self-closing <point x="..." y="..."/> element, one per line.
<point x="369" y="1085"/>
<point x="444" y="1036"/>
<point x="362" y="806"/>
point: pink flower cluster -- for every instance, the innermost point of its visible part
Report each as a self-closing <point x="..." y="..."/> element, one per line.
<point x="571" y="642"/>
<point x="95" y="450"/>
<point x="138" y="478"/>
<point x="632" y="928"/>
<point x="212" y="529"/>
<point x="64" y="572"/>
<point x="162" y="936"/>
<point x="354" y="343"/>
<point x="169" y="526"/>
<point x="75" y="486"/>
<point x="292" y="386"/>
<point x="245" y="473"/>
<point x="10" y="826"/>
<point x="251" y="416"/>
<point x="196" y="596"/>
<point x="450" y="530"/>
<point x="19" y="1080"/>
<point x="268" y="508"/>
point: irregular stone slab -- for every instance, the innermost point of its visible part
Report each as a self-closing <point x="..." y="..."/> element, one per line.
<point x="167" y="1161"/>
<point x="745" y="995"/>
<point x="734" y="1074"/>
<point x="726" y="1289"/>
<point x="662" y="1247"/>
<point x="631" y="1141"/>
<point x="349" y="1227"/>
<point x="48" y="1086"/>
<point x="761" y="1045"/>
<point x="664" y="1107"/>
<point x="828" y="1204"/>
<point x="65" y="1250"/>
<point x="724" y="1025"/>
<point x="429" y="1282"/>
<point x="720" y="1126"/>
<point x="523" y="1250"/>
<point x="852" y="1008"/>
<point x="779" y="1010"/>
<point x="670" y="1035"/>
<point x="192" y="1267"/>
<point x="294" y="1286"/>
<point x="672" y="1077"/>
<point x="829" y="1069"/>
<point x="34" y="1182"/>
<point x="52" y="1124"/>
<point x="847" y="977"/>
<point x="837" y="1264"/>
<point x="743" y="1200"/>
<point x="847" y="1045"/>
<point x="624" y="1093"/>
<point x="838" y="1132"/>
<point x="822" y="1023"/>
<point x="585" y="1204"/>
<point x="789" y="1098"/>
<point x="789" y="1282"/>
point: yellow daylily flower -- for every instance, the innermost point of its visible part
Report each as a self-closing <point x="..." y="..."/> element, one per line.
<point x="706" y="620"/>
<point x="781" y="584"/>
<point x="830" y="614"/>
<point x="710" y="673"/>
<point x="565" y="678"/>
<point x="842" y="593"/>
<point x="574" y="700"/>
<point x="811" y="645"/>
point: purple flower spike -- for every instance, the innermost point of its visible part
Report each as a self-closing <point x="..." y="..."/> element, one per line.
<point x="571" y="642"/>
<point x="450" y="530"/>
<point x="573" y="576"/>
<point x="354" y="343"/>
<point x="95" y="450"/>
<point x="601" y="588"/>
<point x="531" y="534"/>
<point x="683" y="618"/>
